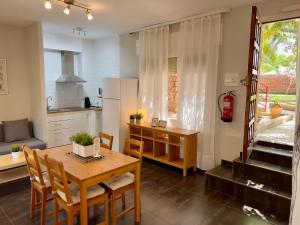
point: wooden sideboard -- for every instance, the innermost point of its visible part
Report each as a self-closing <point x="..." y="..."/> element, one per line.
<point x="173" y="146"/>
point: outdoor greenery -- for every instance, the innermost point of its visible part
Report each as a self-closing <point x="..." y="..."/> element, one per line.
<point x="289" y="100"/>
<point x="279" y="47"/>
<point x="82" y="138"/>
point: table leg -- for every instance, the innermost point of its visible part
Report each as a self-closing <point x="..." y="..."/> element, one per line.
<point x="137" y="193"/>
<point x="83" y="205"/>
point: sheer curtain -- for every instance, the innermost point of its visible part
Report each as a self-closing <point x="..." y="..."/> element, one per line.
<point x="295" y="204"/>
<point x="199" y="41"/>
<point x="153" y="63"/>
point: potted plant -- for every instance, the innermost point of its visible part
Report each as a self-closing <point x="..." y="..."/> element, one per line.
<point x="83" y="144"/>
<point x="275" y="108"/>
<point x="138" y="118"/>
<point x="15" y="151"/>
<point x="131" y="118"/>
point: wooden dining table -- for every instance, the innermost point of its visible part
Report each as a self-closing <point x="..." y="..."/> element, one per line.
<point x="86" y="174"/>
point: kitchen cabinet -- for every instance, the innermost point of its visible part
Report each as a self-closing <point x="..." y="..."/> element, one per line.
<point x="61" y="126"/>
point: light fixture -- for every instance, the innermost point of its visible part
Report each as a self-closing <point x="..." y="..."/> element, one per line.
<point x="48" y="4"/>
<point x="72" y="3"/>
<point x="89" y="15"/>
<point x="67" y="10"/>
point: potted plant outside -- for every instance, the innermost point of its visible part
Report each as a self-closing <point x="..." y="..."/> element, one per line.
<point x="131" y="118"/>
<point x="138" y="118"/>
<point x="275" y="108"/>
<point x="15" y="151"/>
<point x="83" y="144"/>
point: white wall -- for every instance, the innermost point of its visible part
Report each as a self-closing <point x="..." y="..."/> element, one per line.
<point x="34" y="39"/>
<point x="15" y="105"/>
<point x="62" y="42"/>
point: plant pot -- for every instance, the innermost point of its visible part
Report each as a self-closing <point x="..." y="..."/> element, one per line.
<point x="86" y="151"/>
<point x="15" y="155"/>
<point x="75" y="148"/>
<point x="131" y="120"/>
<point x="138" y="121"/>
<point x="276" y="111"/>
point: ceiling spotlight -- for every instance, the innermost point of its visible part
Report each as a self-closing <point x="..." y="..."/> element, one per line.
<point x="48" y="4"/>
<point x="67" y="10"/>
<point x="89" y="15"/>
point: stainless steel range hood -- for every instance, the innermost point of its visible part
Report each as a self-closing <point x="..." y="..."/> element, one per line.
<point x="67" y="63"/>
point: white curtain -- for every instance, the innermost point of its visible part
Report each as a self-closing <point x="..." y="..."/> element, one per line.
<point x="199" y="41"/>
<point x="153" y="63"/>
<point x="295" y="205"/>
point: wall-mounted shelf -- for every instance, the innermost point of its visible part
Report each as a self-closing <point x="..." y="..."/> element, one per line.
<point x="172" y="146"/>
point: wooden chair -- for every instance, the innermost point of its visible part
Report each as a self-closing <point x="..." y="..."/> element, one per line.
<point x="118" y="186"/>
<point x="108" y="140"/>
<point x="67" y="195"/>
<point x="39" y="184"/>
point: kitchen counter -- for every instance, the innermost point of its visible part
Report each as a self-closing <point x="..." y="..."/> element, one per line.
<point x="72" y="109"/>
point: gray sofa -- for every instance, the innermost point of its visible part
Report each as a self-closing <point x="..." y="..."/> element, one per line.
<point x="18" y="132"/>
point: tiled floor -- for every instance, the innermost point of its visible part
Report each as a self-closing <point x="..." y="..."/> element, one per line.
<point x="167" y="199"/>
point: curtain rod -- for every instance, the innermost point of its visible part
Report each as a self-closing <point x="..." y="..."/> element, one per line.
<point x="181" y="20"/>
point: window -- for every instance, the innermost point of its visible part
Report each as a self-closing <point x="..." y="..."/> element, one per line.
<point x="173" y="87"/>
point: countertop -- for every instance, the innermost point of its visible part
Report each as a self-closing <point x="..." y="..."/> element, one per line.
<point x="72" y="109"/>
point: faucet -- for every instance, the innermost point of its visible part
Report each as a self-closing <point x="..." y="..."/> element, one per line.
<point x="48" y="106"/>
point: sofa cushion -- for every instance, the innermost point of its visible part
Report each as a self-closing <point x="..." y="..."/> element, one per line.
<point x="5" y="148"/>
<point x="16" y="130"/>
<point x="1" y="133"/>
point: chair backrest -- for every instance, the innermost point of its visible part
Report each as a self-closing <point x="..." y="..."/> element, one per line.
<point x="134" y="148"/>
<point x="106" y="141"/>
<point x="58" y="179"/>
<point x="33" y="165"/>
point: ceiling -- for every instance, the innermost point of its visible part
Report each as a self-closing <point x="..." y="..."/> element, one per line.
<point x="110" y="16"/>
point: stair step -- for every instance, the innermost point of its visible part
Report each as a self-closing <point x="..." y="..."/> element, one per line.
<point x="271" y="150"/>
<point x="225" y="173"/>
<point x="267" y="166"/>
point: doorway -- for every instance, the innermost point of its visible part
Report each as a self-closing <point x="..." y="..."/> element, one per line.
<point x="276" y="92"/>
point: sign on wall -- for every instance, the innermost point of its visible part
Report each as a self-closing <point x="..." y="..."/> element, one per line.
<point x="3" y="77"/>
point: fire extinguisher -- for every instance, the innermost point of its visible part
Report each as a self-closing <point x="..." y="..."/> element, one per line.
<point x="227" y="113"/>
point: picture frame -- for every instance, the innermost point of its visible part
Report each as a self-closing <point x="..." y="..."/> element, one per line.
<point x="162" y="123"/>
<point x="154" y="122"/>
<point x="3" y="77"/>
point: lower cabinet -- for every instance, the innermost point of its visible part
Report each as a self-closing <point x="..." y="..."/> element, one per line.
<point x="61" y="126"/>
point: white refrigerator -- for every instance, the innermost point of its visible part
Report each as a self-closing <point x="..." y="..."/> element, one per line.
<point x="119" y="101"/>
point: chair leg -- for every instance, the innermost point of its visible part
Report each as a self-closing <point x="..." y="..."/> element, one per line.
<point x="70" y="218"/>
<point x="106" y="211"/>
<point x="55" y="212"/>
<point x="113" y="208"/>
<point x="32" y="202"/>
<point x="43" y="208"/>
<point x="123" y="201"/>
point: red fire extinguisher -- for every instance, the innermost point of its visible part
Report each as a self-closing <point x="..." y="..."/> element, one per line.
<point x="227" y="113"/>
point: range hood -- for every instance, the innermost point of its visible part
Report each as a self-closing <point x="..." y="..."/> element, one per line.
<point x="67" y="63"/>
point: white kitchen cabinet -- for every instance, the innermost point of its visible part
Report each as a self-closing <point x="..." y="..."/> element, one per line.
<point x="61" y="126"/>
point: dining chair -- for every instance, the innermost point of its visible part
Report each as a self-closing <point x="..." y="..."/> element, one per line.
<point x="67" y="195"/>
<point x="118" y="186"/>
<point x="106" y="140"/>
<point x="40" y="184"/>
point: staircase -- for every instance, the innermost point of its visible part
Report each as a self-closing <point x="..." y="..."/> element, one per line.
<point x="263" y="183"/>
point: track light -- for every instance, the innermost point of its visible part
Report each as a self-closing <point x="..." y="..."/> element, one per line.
<point x="48" y="4"/>
<point x="67" y="10"/>
<point x="89" y="15"/>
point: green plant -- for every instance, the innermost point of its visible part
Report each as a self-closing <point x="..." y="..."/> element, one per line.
<point x="15" y="148"/>
<point x="275" y="101"/>
<point x="82" y="138"/>
<point x="131" y="117"/>
<point x="138" y="116"/>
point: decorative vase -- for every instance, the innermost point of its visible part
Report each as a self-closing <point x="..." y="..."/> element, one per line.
<point x="15" y="155"/>
<point x="131" y="121"/>
<point x="276" y="111"/>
